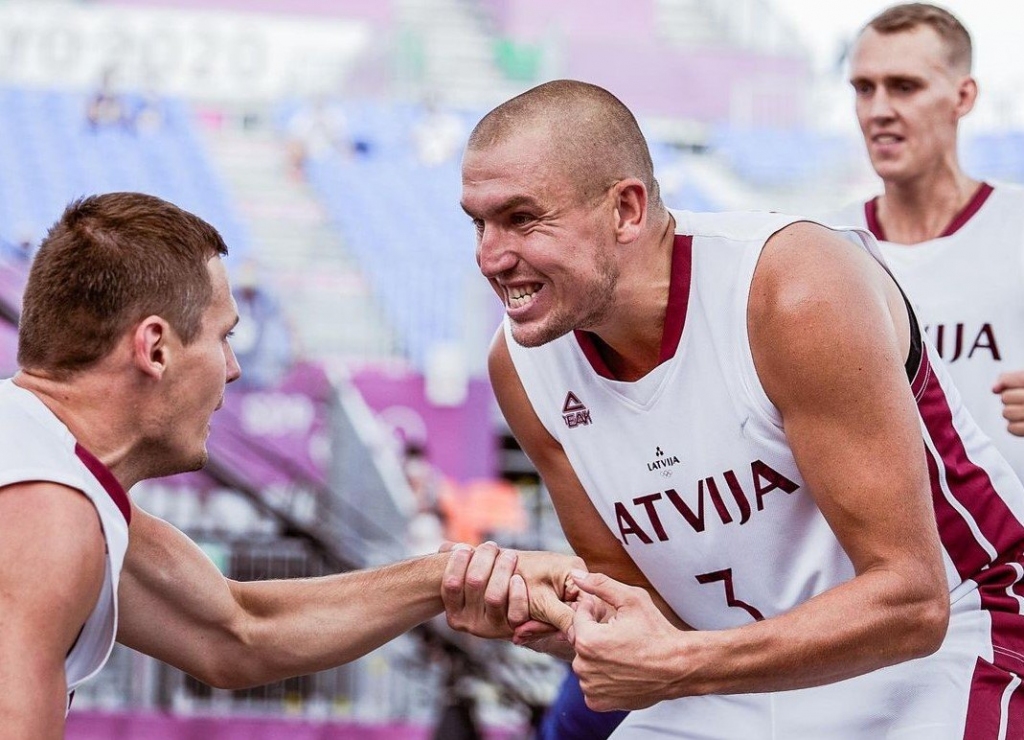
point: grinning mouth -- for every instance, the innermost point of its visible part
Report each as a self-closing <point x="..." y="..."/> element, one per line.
<point x="522" y="295"/>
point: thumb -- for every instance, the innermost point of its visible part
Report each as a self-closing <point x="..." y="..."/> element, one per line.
<point x="547" y="607"/>
<point x="607" y="589"/>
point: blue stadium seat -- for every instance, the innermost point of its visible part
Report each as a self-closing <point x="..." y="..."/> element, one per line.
<point x="49" y="155"/>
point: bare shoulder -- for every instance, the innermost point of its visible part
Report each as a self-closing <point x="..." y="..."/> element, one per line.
<point x="822" y="313"/>
<point x="806" y="265"/>
<point x="47" y="529"/>
<point x="62" y="519"/>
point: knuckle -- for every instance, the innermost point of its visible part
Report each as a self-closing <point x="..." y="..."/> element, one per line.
<point x="451" y="585"/>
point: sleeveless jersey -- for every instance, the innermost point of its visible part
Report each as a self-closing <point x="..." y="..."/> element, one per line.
<point x="36" y="446"/>
<point x="968" y="289"/>
<point x="690" y="468"/>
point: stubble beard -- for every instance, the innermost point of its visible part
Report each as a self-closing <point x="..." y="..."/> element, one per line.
<point x="564" y="320"/>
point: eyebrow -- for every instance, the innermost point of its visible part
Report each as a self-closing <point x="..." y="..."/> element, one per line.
<point x="516" y="201"/>
<point x="893" y="77"/>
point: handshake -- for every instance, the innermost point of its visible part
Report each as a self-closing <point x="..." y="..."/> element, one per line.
<point x="527" y="597"/>
<point x="613" y="633"/>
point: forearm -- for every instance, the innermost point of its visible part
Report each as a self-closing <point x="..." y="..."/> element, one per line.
<point x="301" y="626"/>
<point x="875" y="620"/>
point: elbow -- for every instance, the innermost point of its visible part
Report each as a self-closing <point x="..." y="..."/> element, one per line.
<point x="232" y="662"/>
<point x="929" y="625"/>
<point x="223" y="678"/>
<point x="230" y="675"/>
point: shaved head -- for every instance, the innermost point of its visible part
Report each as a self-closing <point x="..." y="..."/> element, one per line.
<point x="595" y="140"/>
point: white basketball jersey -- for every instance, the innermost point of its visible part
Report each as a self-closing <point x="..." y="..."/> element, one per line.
<point x="36" y="446"/>
<point x="968" y="289"/>
<point x="689" y="466"/>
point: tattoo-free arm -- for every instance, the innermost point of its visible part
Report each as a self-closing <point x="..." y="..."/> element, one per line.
<point x="176" y="606"/>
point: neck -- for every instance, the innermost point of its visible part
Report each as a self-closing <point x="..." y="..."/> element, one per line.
<point x="632" y="335"/>
<point x="920" y="209"/>
<point x="84" y="405"/>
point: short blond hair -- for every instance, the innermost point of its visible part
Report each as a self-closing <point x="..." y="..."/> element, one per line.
<point x="909" y="16"/>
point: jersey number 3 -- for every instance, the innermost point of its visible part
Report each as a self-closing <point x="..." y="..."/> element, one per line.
<point x="725" y="576"/>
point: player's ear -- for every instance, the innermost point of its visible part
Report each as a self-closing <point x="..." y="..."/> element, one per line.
<point x="149" y="346"/>
<point x="967" y="94"/>
<point x="630" y="209"/>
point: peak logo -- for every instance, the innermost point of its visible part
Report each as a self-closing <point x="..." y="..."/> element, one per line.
<point x="574" y="413"/>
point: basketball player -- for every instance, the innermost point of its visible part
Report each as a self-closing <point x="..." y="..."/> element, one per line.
<point x="793" y="527"/>
<point x="955" y="244"/>
<point x="124" y="354"/>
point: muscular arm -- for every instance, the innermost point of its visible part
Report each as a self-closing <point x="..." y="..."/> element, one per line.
<point x="51" y="573"/>
<point x="176" y="606"/>
<point x="586" y="532"/>
<point x="829" y="335"/>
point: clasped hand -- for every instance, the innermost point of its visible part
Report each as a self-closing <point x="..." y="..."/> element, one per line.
<point x="620" y="644"/>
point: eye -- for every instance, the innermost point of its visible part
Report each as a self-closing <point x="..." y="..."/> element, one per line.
<point x="520" y="219"/>
<point x="863" y="88"/>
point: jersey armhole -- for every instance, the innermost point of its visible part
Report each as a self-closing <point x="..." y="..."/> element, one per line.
<point x="916" y="353"/>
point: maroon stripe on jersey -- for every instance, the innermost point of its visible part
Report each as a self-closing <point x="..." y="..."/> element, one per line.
<point x="959" y="220"/>
<point x="964" y="550"/>
<point x="675" y="311"/>
<point x="985" y="704"/>
<point x="106" y="479"/>
<point x="588" y="343"/>
<point x="1015" y="714"/>
<point x="969" y="484"/>
<point x="871" y="219"/>
<point x="678" y="296"/>
<point x="973" y="206"/>
<point x="996" y="586"/>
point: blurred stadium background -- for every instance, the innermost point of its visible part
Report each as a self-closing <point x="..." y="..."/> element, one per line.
<point x="322" y="138"/>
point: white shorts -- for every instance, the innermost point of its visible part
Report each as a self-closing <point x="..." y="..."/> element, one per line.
<point x="955" y="694"/>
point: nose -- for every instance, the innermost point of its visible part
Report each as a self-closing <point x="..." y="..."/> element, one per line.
<point x="233" y="369"/>
<point x="493" y="252"/>
<point x="880" y="106"/>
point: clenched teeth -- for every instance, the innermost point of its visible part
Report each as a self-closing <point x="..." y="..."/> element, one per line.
<point x="521" y="295"/>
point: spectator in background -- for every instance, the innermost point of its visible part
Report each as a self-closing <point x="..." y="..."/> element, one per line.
<point x="438" y="135"/>
<point x="955" y="244"/>
<point x="315" y="131"/>
<point x="263" y="340"/>
<point x="148" y="115"/>
<point x="106" y="106"/>
<point x="428" y="526"/>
